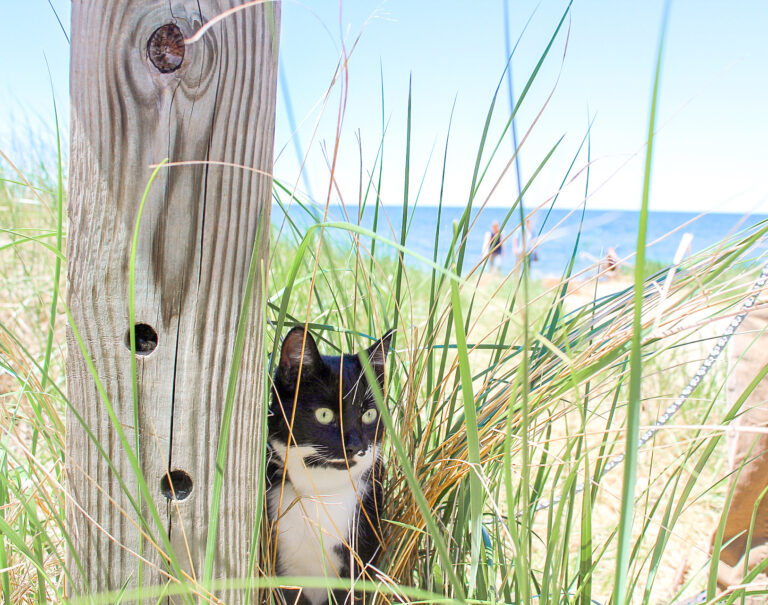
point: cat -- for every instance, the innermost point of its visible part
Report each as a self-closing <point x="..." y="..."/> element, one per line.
<point x="324" y="491"/>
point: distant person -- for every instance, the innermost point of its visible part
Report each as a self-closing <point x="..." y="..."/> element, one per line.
<point x="493" y="247"/>
<point x="610" y="263"/>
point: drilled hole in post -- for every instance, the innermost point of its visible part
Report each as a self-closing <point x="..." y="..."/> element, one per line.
<point x="165" y="48"/>
<point x="176" y="485"/>
<point x="146" y="339"/>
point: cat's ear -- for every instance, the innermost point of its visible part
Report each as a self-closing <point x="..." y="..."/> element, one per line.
<point x="377" y="354"/>
<point x="299" y="349"/>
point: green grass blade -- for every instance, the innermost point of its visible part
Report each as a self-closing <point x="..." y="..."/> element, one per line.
<point x="473" y="441"/>
<point x="144" y="491"/>
<point x="226" y="420"/>
<point x="620" y="596"/>
<point x="5" y="579"/>
<point x="132" y="339"/>
<point x="59" y="245"/>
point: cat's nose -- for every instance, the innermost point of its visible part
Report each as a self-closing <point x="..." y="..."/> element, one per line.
<point x="353" y="448"/>
<point x="353" y="445"/>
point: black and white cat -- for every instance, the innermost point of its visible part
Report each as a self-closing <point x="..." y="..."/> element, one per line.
<point x="324" y="476"/>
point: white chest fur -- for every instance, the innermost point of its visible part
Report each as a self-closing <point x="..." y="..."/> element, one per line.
<point x="315" y="515"/>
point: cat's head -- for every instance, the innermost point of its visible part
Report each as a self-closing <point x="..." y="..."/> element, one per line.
<point x="335" y="412"/>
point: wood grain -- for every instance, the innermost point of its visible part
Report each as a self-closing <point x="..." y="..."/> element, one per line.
<point x="198" y="230"/>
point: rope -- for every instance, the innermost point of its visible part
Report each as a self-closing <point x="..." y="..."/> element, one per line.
<point x="695" y="380"/>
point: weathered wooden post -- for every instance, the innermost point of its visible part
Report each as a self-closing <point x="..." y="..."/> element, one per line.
<point x="142" y="92"/>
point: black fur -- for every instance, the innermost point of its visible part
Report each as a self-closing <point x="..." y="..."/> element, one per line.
<point x="338" y="383"/>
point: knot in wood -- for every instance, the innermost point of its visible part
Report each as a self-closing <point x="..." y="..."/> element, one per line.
<point x="165" y="48"/>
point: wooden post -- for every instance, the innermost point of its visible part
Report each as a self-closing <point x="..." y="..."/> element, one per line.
<point x="141" y="92"/>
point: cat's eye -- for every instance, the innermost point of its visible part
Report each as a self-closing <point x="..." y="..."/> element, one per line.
<point x="324" y="415"/>
<point x="369" y="417"/>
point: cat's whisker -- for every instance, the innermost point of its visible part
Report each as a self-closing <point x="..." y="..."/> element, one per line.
<point x="353" y="389"/>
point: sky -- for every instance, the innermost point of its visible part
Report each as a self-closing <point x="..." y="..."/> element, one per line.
<point x="712" y="126"/>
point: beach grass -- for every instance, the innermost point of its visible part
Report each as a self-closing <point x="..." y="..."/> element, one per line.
<point x="455" y="403"/>
<point x="504" y="396"/>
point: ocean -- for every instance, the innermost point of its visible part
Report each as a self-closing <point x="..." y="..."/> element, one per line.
<point x="555" y="233"/>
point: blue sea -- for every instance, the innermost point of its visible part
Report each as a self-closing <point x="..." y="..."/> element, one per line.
<point x="556" y="233"/>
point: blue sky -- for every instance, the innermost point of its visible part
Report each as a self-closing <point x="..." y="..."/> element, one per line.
<point x="712" y="124"/>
